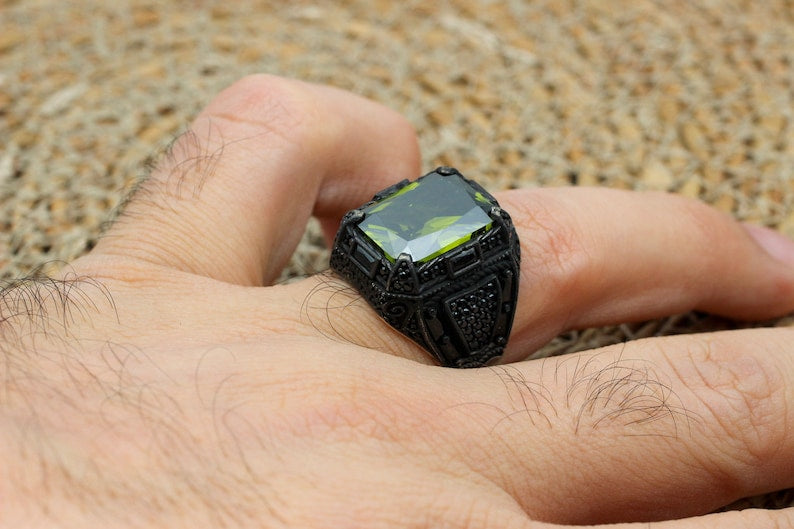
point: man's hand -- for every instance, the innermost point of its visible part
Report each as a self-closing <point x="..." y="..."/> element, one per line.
<point x="160" y="382"/>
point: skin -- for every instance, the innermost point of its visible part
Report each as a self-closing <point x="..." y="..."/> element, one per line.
<point x="162" y="381"/>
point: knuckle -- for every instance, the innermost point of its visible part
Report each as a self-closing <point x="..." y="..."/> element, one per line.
<point x="710" y="227"/>
<point x="266" y="96"/>
<point x="341" y="405"/>
<point x="552" y="242"/>
<point x="284" y="112"/>
<point x="700" y="217"/>
<point x="742" y="396"/>
<point x="284" y="108"/>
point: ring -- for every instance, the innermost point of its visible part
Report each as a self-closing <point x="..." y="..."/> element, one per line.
<point x="438" y="259"/>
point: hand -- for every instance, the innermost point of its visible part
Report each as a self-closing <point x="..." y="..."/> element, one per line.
<point x="160" y="383"/>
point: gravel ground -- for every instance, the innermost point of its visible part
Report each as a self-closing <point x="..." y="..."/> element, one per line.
<point x="686" y="97"/>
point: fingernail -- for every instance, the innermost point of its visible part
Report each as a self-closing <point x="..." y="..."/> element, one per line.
<point x="776" y="244"/>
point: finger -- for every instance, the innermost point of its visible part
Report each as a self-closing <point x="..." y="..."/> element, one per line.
<point x="594" y="257"/>
<point x="656" y="429"/>
<point x="232" y="198"/>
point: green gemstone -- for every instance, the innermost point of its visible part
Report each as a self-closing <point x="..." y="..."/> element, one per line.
<point x="427" y="217"/>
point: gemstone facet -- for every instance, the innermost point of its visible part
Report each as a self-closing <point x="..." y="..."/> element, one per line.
<point x="427" y="218"/>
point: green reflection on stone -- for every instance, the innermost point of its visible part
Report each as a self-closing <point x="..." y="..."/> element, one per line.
<point x="427" y="218"/>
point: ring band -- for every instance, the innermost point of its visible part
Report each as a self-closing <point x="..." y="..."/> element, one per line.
<point x="438" y="259"/>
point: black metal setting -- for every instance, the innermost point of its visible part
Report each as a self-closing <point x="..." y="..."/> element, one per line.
<point x="459" y="305"/>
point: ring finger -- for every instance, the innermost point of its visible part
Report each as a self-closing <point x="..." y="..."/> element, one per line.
<point x="595" y="257"/>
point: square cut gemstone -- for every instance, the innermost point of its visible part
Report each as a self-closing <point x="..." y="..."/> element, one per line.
<point x="427" y="218"/>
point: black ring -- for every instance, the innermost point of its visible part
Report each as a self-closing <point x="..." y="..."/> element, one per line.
<point x="458" y="299"/>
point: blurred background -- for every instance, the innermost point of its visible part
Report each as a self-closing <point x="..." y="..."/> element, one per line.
<point x="685" y="97"/>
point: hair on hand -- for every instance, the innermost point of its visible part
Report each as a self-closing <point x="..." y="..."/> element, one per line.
<point x="327" y="302"/>
<point x="604" y="390"/>
<point x="590" y="391"/>
<point x="37" y="303"/>
<point x="186" y="161"/>
<point x="179" y="172"/>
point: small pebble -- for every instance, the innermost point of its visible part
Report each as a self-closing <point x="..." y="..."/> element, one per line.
<point x="691" y="188"/>
<point x="656" y="176"/>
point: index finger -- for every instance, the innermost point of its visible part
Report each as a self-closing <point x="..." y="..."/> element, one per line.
<point x="232" y="197"/>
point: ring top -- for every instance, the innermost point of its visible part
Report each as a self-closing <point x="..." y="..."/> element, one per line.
<point x="427" y="218"/>
<point x="438" y="260"/>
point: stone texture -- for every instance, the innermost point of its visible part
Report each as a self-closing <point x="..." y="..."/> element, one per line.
<point x="427" y="217"/>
